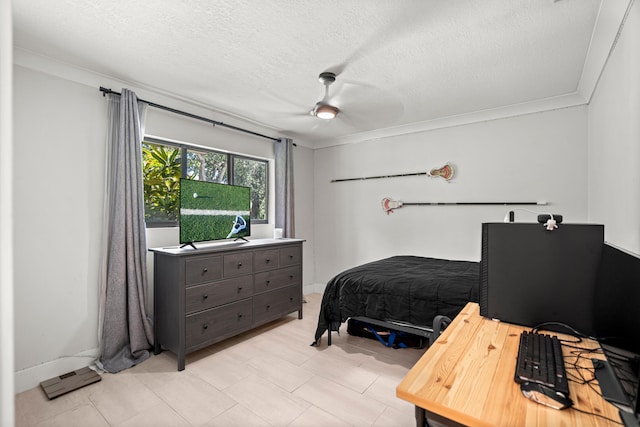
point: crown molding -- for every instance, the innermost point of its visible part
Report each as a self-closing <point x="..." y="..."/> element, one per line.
<point x="609" y="24"/>
<point x="540" y="106"/>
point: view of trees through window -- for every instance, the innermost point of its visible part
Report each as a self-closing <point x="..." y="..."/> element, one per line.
<point x="161" y="171"/>
<point x="253" y="174"/>
<point x="164" y="164"/>
<point x="207" y="166"/>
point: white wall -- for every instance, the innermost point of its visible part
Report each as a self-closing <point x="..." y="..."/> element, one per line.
<point x="7" y="412"/>
<point x="614" y="141"/>
<point x="305" y="217"/>
<point x="535" y="157"/>
<point x="59" y="183"/>
<point x="60" y="132"/>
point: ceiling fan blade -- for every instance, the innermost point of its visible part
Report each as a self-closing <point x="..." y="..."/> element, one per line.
<point x="277" y="100"/>
<point x="366" y="106"/>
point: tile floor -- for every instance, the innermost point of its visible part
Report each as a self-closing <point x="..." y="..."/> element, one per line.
<point x="270" y="376"/>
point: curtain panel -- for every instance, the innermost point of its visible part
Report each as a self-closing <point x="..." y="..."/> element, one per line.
<point x="126" y="333"/>
<point x="284" y="187"/>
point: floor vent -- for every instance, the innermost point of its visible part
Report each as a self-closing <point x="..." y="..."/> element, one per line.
<point x="70" y="381"/>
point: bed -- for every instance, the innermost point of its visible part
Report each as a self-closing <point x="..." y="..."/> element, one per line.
<point x="406" y="292"/>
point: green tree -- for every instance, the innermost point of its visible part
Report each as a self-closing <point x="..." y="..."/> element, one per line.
<point x="161" y="170"/>
<point x="207" y="166"/>
<point x="253" y="174"/>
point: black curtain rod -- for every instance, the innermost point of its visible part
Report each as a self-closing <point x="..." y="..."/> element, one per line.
<point x="105" y="91"/>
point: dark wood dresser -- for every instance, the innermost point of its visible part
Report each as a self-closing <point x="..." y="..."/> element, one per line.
<point x="219" y="290"/>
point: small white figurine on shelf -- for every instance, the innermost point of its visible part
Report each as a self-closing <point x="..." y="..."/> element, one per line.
<point x="551" y="224"/>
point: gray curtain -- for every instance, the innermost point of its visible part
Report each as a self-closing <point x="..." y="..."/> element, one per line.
<point x="126" y="333"/>
<point x="284" y="187"/>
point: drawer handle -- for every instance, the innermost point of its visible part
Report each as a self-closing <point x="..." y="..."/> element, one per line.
<point x="239" y="289"/>
<point x="290" y="256"/>
<point x="290" y="299"/>
<point x="239" y="265"/>
<point x="205" y="326"/>
<point x="205" y="296"/>
<point x="291" y="276"/>
<point x="239" y="315"/>
<point x="267" y="282"/>
<point x="268" y="260"/>
<point x="205" y="270"/>
<point x="268" y="307"/>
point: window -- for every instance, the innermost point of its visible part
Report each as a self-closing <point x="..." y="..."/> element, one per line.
<point x="252" y="173"/>
<point x="163" y="164"/>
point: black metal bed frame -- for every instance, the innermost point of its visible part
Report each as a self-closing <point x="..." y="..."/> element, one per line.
<point x="430" y="332"/>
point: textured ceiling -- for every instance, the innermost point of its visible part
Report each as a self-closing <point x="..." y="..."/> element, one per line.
<point x="399" y="63"/>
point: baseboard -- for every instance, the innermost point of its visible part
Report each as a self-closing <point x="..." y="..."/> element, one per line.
<point x="314" y="288"/>
<point x="29" y="378"/>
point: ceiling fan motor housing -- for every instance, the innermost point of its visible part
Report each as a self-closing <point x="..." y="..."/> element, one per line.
<point x="327" y="77"/>
<point x="323" y="109"/>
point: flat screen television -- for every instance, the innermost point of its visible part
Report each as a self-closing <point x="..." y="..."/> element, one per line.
<point x="211" y="211"/>
<point x="532" y="276"/>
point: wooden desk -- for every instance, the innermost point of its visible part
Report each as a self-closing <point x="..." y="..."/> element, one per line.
<point x="466" y="377"/>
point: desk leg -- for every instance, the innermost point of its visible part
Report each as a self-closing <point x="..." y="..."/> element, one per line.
<point x="421" y="417"/>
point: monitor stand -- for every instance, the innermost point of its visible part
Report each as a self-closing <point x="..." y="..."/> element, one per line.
<point x="629" y="420"/>
<point x="238" y="238"/>
<point x="613" y="392"/>
<point x="188" y="244"/>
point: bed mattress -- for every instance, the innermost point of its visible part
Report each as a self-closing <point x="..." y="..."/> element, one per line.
<point x="405" y="288"/>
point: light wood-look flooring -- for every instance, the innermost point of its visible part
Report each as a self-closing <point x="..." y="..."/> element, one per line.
<point x="270" y="376"/>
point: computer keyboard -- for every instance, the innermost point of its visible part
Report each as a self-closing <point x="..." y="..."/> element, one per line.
<point x="540" y="361"/>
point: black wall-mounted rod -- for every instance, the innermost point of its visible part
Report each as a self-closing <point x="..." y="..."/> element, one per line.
<point x="106" y="91"/>
<point x="469" y="203"/>
<point x="379" y="177"/>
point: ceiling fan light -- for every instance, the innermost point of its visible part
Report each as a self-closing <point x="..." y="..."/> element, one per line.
<point x="326" y="112"/>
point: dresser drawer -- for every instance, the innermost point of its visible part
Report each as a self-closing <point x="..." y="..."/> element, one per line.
<point x="271" y="305"/>
<point x="277" y="279"/>
<point x="224" y="320"/>
<point x="238" y="264"/>
<point x="291" y="255"/>
<point x="202" y="297"/>
<point x="203" y="269"/>
<point x="266" y="260"/>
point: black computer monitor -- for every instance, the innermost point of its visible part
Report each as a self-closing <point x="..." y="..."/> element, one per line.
<point x="617" y="326"/>
<point x="531" y="276"/>
<point x="617" y="314"/>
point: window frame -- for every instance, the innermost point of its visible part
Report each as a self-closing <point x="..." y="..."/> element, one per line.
<point x="184" y="147"/>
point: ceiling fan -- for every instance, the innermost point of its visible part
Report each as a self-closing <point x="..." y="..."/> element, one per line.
<point x="323" y="109"/>
<point x="345" y="104"/>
